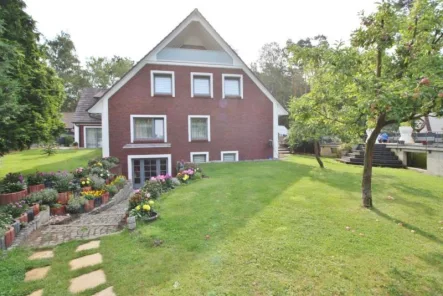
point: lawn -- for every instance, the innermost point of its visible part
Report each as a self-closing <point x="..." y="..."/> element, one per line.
<point x="271" y="228"/>
<point x="29" y="161"/>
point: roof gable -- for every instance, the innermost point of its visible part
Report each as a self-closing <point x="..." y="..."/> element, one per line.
<point x="195" y="18"/>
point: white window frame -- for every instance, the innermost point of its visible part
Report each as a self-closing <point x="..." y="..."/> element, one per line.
<point x="211" y="83"/>
<point x="232" y="76"/>
<point x="208" y="117"/>
<point x="229" y="152"/>
<point x="84" y="133"/>
<point x="153" y="72"/>
<point x="199" y="153"/>
<point x="147" y="156"/>
<point x="165" y="125"/>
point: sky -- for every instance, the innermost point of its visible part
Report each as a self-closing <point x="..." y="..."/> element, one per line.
<point x="131" y="28"/>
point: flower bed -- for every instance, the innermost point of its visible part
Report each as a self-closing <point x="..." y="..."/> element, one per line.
<point x="56" y="193"/>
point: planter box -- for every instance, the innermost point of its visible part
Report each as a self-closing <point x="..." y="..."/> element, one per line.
<point x="58" y="211"/>
<point x="105" y="198"/>
<point x="36" y="188"/>
<point x="44" y="217"/>
<point x="36" y="209"/>
<point x="89" y="188"/>
<point x="7" y="198"/>
<point x="98" y="202"/>
<point x="23" y="218"/>
<point x="89" y="205"/>
<point x="152" y="218"/>
<point x="30" y="214"/>
<point x="9" y="237"/>
<point x="63" y="198"/>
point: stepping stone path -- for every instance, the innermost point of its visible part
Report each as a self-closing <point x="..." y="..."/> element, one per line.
<point x="88" y="246"/>
<point x="86" y="261"/>
<point x="87" y="281"/>
<point x="106" y="292"/>
<point x="88" y="226"/>
<point x="37" y="293"/>
<point x="41" y="255"/>
<point x="37" y="273"/>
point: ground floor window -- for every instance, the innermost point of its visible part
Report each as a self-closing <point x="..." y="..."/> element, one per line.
<point x="227" y="156"/>
<point x="144" y="169"/>
<point x="199" y="157"/>
<point x="93" y="137"/>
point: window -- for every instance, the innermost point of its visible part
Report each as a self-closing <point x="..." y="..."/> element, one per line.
<point x="232" y="86"/>
<point x="201" y="85"/>
<point x="148" y="128"/>
<point x="199" y="157"/>
<point x="93" y="137"/>
<point x="199" y="128"/>
<point x="227" y="156"/>
<point x="162" y="83"/>
<point x="142" y="167"/>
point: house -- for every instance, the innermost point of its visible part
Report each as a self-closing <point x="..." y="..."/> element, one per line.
<point x="190" y="98"/>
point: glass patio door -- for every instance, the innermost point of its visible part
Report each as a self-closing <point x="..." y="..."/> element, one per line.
<point x="93" y="137"/>
<point x="144" y="169"/>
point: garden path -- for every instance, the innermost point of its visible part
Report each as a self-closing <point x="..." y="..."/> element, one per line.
<point x="87" y="226"/>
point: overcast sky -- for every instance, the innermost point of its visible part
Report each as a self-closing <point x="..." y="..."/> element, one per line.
<point x="132" y="28"/>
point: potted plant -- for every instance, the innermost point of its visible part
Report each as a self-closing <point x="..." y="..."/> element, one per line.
<point x="144" y="211"/>
<point x="76" y="205"/>
<point x="80" y="172"/>
<point x="111" y="189"/>
<point x="63" y="186"/>
<point x="9" y="236"/>
<point x="406" y="130"/>
<point x="49" y="179"/>
<point x="12" y="188"/>
<point x="105" y="196"/>
<point x="58" y="209"/>
<point x="75" y="145"/>
<point x="86" y="184"/>
<point x="35" y="182"/>
<point x="89" y="201"/>
<point x="48" y="196"/>
<point x="17" y="210"/>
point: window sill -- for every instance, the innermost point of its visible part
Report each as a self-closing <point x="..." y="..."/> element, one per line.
<point x="147" y="145"/>
<point x="163" y="95"/>
<point x="233" y="97"/>
<point x="200" y="141"/>
<point x="202" y="96"/>
<point x="148" y="141"/>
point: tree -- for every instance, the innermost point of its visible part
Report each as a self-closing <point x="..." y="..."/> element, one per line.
<point x="391" y="73"/>
<point x="104" y="72"/>
<point x="63" y="58"/>
<point x="37" y="89"/>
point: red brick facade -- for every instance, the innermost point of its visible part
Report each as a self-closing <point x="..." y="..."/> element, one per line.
<point x="243" y="125"/>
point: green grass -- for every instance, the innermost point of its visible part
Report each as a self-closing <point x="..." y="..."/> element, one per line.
<point x="276" y="228"/>
<point x="28" y="161"/>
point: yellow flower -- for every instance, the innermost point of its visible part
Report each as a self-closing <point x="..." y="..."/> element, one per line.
<point x="146" y="207"/>
<point x="186" y="177"/>
<point x="137" y="208"/>
<point x="151" y="202"/>
<point x="83" y="182"/>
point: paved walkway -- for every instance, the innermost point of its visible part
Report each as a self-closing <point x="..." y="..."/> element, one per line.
<point x="88" y="226"/>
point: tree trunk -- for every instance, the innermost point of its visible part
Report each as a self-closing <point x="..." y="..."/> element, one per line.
<point x="366" y="183"/>
<point x="317" y="153"/>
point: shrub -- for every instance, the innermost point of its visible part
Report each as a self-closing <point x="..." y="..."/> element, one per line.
<point x="135" y="200"/>
<point x="35" y="179"/>
<point x="13" y="178"/>
<point x="69" y="140"/>
<point x="97" y="182"/>
<point x="49" y="179"/>
<point x="112" y="189"/>
<point x="75" y="205"/>
<point x="144" y="209"/>
<point x="119" y="181"/>
<point x="175" y="182"/>
<point x="63" y="182"/>
<point x="75" y="144"/>
<point x="5" y="220"/>
<point x="48" y="196"/>
<point x="49" y="149"/>
<point x="87" y="195"/>
<point x="12" y="182"/>
<point x="153" y="187"/>
<point x="197" y="176"/>
<point x="35" y="197"/>
<point x="112" y="159"/>
<point x="80" y="172"/>
<point x="15" y="209"/>
<point x="101" y="172"/>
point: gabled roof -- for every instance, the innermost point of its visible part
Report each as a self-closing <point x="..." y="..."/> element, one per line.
<point x="67" y="118"/>
<point x="195" y="15"/>
<point x="88" y="98"/>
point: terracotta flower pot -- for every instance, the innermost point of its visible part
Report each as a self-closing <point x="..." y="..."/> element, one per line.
<point x="105" y="197"/>
<point x="36" y="209"/>
<point x="36" y="188"/>
<point x="58" y="211"/>
<point x="63" y="198"/>
<point x="23" y="218"/>
<point x="9" y="237"/>
<point x="89" y="205"/>
<point x="89" y="188"/>
<point x="7" y="198"/>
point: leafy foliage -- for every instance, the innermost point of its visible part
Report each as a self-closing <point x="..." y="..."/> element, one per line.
<point x="49" y="149"/>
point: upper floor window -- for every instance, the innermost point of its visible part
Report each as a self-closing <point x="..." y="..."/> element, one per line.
<point x="232" y="86"/>
<point x="199" y="128"/>
<point x="148" y="128"/>
<point x="162" y="83"/>
<point x="201" y="85"/>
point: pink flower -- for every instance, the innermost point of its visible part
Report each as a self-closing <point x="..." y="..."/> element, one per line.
<point x="137" y="191"/>
<point x="153" y="179"/>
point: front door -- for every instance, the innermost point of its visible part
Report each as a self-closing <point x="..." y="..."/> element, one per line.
<point x="144" y="169"/>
